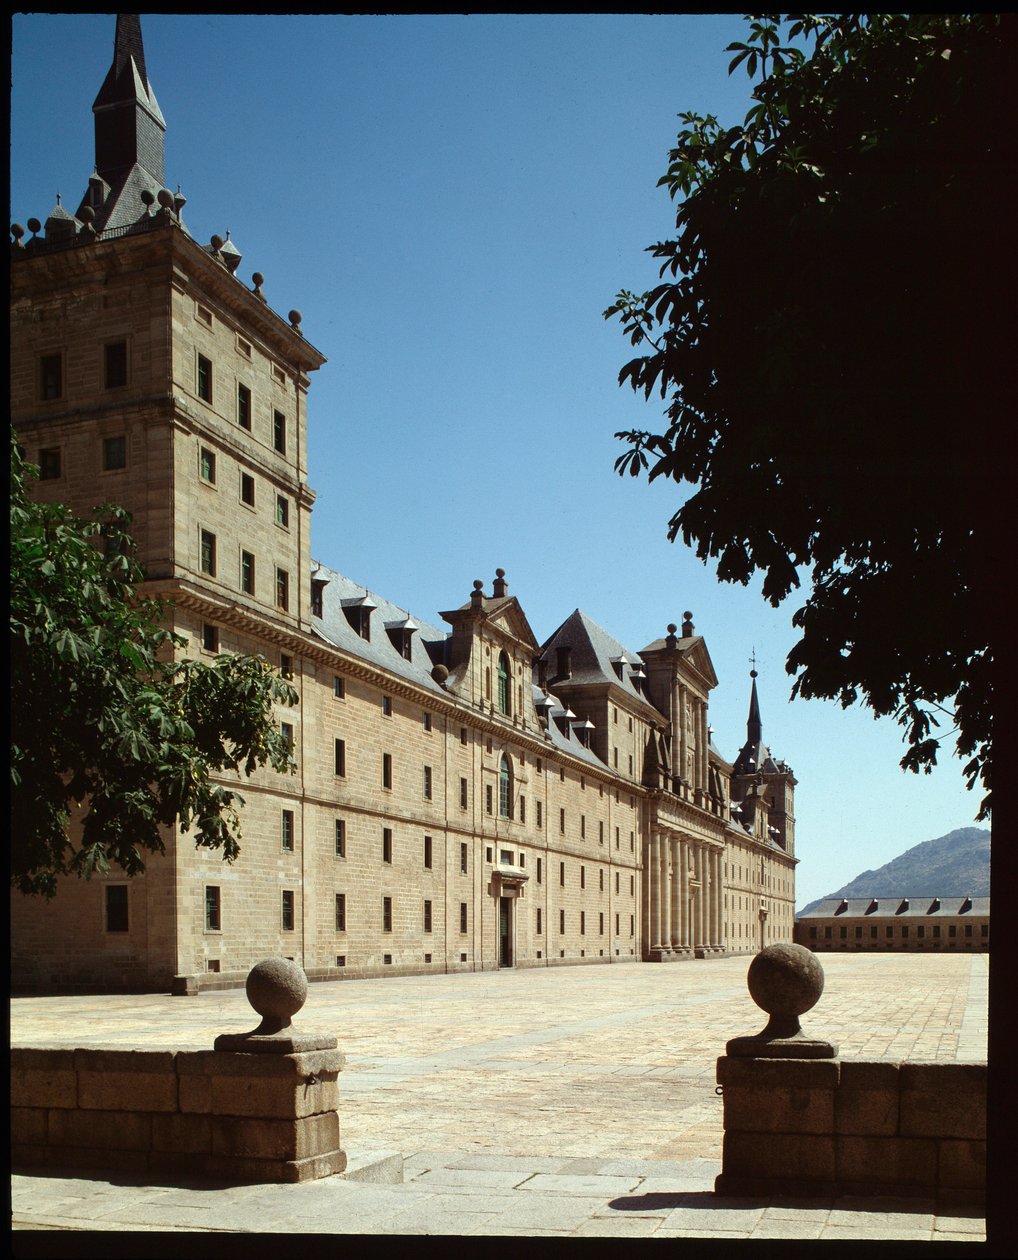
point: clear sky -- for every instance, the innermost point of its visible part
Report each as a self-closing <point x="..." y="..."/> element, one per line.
<point x="452" y="201"/>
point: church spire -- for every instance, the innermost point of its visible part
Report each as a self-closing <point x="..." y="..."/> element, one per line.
<point x="129" y="124"/>
<point x="754" y="726"/>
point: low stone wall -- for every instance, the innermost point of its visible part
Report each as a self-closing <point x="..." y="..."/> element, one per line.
<point x="209" y="1114"/>
<point x="827" y="1127"/>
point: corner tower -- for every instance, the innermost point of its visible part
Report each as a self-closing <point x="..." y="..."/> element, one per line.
<point x="763" y="787"/>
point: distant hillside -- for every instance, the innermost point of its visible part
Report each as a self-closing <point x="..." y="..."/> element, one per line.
<point x="955" y="865"/>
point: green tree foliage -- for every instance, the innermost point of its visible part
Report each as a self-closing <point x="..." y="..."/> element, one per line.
<point x="830" y="337"/>
<point x="108" y="731"/>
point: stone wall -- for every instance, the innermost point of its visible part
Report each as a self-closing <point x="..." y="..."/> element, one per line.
<point x="204" y="1114"/>
<point x="826" y="1127"/>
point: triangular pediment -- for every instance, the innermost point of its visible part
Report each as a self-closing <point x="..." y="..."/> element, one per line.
<point x="697" y="658"/>
<point x="509" y="617"/>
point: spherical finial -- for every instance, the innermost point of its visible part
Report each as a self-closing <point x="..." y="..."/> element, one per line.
<point x="277" y="988"/>
<point x="146" y="197"/>
<point x="688" y="616"/>
<point x="500" y="573"/>
<point x="34" y="225"/>
<point x="165" y="198"/>
<point x="785" y="981"/>
<point x="440" y="674"/>
<point x="753" y="673"/>
<point x="87" y="214"/>
<point x="216" y="242"/>
<point x="17" y="231"/>
<point x="295" y="317"/>
<point x="672" y="627"/>
<point x="257" y="279"/>
<point x="478" y="585"/>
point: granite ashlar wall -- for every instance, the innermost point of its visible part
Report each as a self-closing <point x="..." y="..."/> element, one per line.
<point x="204" y="1114"/>
<point x="826" y="1127"/>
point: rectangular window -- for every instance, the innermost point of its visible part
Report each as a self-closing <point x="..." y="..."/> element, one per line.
<point x="427" y="783"/>
<point x="340" y="912"/>
<point x="583" y="826"/>
<point x="463" y="916"/>
<point x="283" y="511"/>
<point x="463" y="858"/>
<point x="244" y="407"/>
<point x="488" y="799"/>
<point x="583" y="923"/>
<point x="286" y="730"/>
<point x="49" y="463"/>
<point x="539" y="870"/>
<point x="632" y="925"/>
<point x="341" y="758"/>
<point x="208" y="552"/>
<point x="340" y="837"/>
<point x="209" y="637"/>
<point x="427" y="853"/>
<point x="387" y="845"/>
<point x="51" y="377"/>
<point x="213" y="920"/>
<point x="427" y="720"/>
<point x="904" y="930"/>
<point x="562" y="874"/>
<point x="952" y="930"/>
<point x="562" y="822"/>
<point x="920" y="930"/>
<point x="463" y="793"/>
<point x="523" y="809"/>
<point x="600" y="880"/>
<point x="387" y="706"/>
<point x="114" y="453"/>
<point x="386" y="914"/>
<point x="247" y="489"/>
<point x="968" y="929"/>
<point x="427" y="916"/>
<point x="207" y="465"/>
<point x="561" y="923"/>
<point x="287" y="830"/>
<point x="204" y="379"/>
<point x="287" y="915"/>
<point x="247" y="573"/>
<point x="282" y="589"/>
<point x="463" y="736"/>
<point x="540" y="815"/>
<point x="600" y="832"/>
<point x="286" y="665"/>
<point x="116" y="908"/>
<point x="632" y="885"/>
<point x="338" y="687"/>
<point x="387" y="770"/>
<point x="583" y="877"/>
<point x="538" y="920"/>
<point x="279" y="432"/>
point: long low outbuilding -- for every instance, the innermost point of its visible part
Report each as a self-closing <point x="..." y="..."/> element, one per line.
<point x="896" y="922"/>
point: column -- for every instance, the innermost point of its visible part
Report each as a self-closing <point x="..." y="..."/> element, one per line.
<point x="673" y="847"/>
<point x="683" y="897"/>
<point x="666" y="901"/>
<point x="696" y="936"/>
<point x="714" y="897"/>
<point x="697" y="757"/>
<point x="654" y="879"/>
<point x="683" y="703"/>
<point x="704" y="776"/>
<point x="721" y="899"/>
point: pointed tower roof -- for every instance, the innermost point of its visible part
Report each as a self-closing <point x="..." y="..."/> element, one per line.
<point x="129" y="134"/>
<point x="755" y="755"/>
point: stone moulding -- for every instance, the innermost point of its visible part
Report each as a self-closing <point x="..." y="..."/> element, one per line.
<point x="207" y="1115"/>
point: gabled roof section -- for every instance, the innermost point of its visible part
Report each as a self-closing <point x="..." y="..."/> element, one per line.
<point x="596" y="657"/>
<point x="427" y="646"/>
<point x="566" y="740"/>
<point x="755" y="755"/>
<point x="897" y="907"/>
<point x="500" y="609"/>
<point x="694" y="652"/>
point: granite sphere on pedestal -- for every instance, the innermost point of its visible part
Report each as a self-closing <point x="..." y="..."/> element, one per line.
<point x="277" y="988"/>
<point x="785" y="981"/>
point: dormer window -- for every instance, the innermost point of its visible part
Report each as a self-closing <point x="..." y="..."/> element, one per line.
<point x="318" y="586"/>
<point x="637" y="677"/>
<point x="358" y="612"/>
<point x="401" y="635"/>
<point x="619" y="664"/>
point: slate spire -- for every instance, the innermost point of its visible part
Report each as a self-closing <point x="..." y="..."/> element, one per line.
<point x="754" y="726"/>
<point x="129" y="124"/>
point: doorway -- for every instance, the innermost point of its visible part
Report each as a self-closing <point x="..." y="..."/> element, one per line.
<point x="505" y="934"/>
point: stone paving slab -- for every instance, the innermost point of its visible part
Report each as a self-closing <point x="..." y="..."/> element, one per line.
<point x="614" y="1129"/>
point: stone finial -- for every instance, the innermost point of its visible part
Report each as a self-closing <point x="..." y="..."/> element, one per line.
<point x="295" y="318"/>
<point x="277" y="989"/>
<point x="785" y="981"/>
<point x="687" y="625"/>
<point x="257" y="279"/>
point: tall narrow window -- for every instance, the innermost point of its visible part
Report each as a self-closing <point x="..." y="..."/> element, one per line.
<point x="341" y="758"/>
<point x="287" y="830"/>
<point x="208" y="552"/>
<point x="505" y="787"/>
<point x="51" y="377"/>
<point x="463" y="793"/>
<point x="387" y="845"/>
<point x="49" y="463"/>
<point x="540" y="814"/>
<point x="115" y="364"/>
<point x="286" y="730"/>
<point x="340" y="912"/>
<point x="244" y="407"/>
<point x="247" y="573"/>
<point x="463" y="916"/>
<point x="213" y="920"/>
<point x="204" y="379"/>
<point x="279" y="432"/>
<point x="247" y="489"/>
<point x="427" y="783"/>
<point x="114" y="453"/>
<point x="387" y="770"/>
<point x="427" y="852"/>
<point x="282" y="589"/>
<point x="116" y="908"/>
<point x="207" y="465"/>
<point x="288" y="915"/>
<point x="386" y="914"/>
<point x="538" y="920"/>
<point x="340" y="837"/>
<point x="488" y="799"/>
<point x="463" y="858"/>
<point x="282" y="511"/>
<point x="427" y="916"/>
<point x="503" y="683"/>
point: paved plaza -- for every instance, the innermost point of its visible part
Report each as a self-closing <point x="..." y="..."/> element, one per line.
<point x="563" y="1101"/>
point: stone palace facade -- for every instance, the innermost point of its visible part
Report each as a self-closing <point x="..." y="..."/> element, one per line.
<point x="466" y="796"/>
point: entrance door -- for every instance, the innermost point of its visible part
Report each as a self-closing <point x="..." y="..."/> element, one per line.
<point x="505" y="938"/>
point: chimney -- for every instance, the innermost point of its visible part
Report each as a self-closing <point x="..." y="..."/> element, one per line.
<point x="565" y="663"/>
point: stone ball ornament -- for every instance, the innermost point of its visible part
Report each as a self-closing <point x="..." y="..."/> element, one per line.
<point x="277" y="988"/>
<point x="785" y="981"/>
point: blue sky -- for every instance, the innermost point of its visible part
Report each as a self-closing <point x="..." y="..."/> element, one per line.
<point x="452" y="201"/>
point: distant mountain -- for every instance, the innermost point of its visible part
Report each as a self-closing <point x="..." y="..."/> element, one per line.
<point x="955" y="865"/>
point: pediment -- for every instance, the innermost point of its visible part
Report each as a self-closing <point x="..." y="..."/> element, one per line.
<point x="509" y="618"/>
<point x="697" y="658"/>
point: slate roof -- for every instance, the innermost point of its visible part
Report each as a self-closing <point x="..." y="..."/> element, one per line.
<point x="566" y="742"/>
<point x="593" y="652"/>
<point x="428" y="644"/>
<point x="897" y="907"/>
